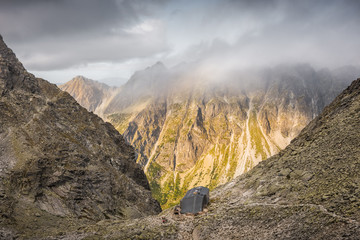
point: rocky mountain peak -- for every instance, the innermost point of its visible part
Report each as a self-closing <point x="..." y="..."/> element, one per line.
<point x="89" y="93"/>
<point x="12" y="72"/>
<point x="159" y="65"/>
<point x="79" y="78"/>
<point x="83" y="79"/>
<point x="149" y="73"/>
<point x="86" y="82"/>
<point x="6" y="54"/>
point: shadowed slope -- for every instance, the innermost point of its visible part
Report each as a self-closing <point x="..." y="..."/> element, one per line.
<point x="59" y="164"/>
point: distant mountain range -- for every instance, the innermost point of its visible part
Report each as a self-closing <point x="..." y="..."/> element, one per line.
<point x="190" y="129"/>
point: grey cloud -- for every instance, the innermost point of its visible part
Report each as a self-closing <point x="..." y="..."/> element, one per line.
<point x="323" y="33"/>
<point x="51" y="35"/>
<point x="21" y="20"/>
<point x="91" y="50"/>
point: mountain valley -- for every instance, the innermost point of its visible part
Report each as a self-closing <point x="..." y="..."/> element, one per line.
<point x="180" y="120"/>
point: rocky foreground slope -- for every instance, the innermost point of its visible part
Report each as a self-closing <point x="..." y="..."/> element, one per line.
<point x="60" y="165"/>
<point x="310" y="190"/>
<point x="189" y="130"/>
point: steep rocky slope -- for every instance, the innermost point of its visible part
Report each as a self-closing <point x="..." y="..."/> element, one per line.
<point x="59" y="164"/>
<point x="310" y="190"/>
<point x="189" y="130"/>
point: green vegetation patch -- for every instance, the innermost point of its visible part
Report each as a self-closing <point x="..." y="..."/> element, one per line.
<point x="120" y="121"/>
<point x="257" y="138"/>
<point x="154" y="170"/>
<point x="233" y="164"/>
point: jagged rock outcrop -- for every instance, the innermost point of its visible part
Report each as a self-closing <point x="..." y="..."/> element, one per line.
<point x="141" y="86"/>
<point x="309" y="190"/>
<point x="59" y="164"/>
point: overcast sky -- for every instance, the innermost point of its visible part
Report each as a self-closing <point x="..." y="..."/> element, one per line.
<point x="108" y="40"/>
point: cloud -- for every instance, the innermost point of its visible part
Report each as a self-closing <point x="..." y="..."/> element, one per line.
<point x="50" y="35"/>
<point x="219" y="34"/>
<point x="239" y="34"/>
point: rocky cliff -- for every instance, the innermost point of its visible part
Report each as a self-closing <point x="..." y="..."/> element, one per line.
<point x="189" y="130"/>
<point x="309" y="190"/>
<point x="59" y="164"/>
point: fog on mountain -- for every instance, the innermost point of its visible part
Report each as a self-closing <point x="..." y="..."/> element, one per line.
<point x="180" y="119"/>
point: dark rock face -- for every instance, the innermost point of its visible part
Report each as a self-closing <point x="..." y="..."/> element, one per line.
<point x="59" y="164"/>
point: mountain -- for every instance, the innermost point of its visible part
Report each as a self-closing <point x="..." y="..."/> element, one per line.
<point x="89" y="93"/>
<point x="190" y="130"/>
<point x="60" y="166"/>
<point x="309" y="190"/>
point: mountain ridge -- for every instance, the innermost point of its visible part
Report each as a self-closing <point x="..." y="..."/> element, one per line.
<point x="60" y="166"/>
